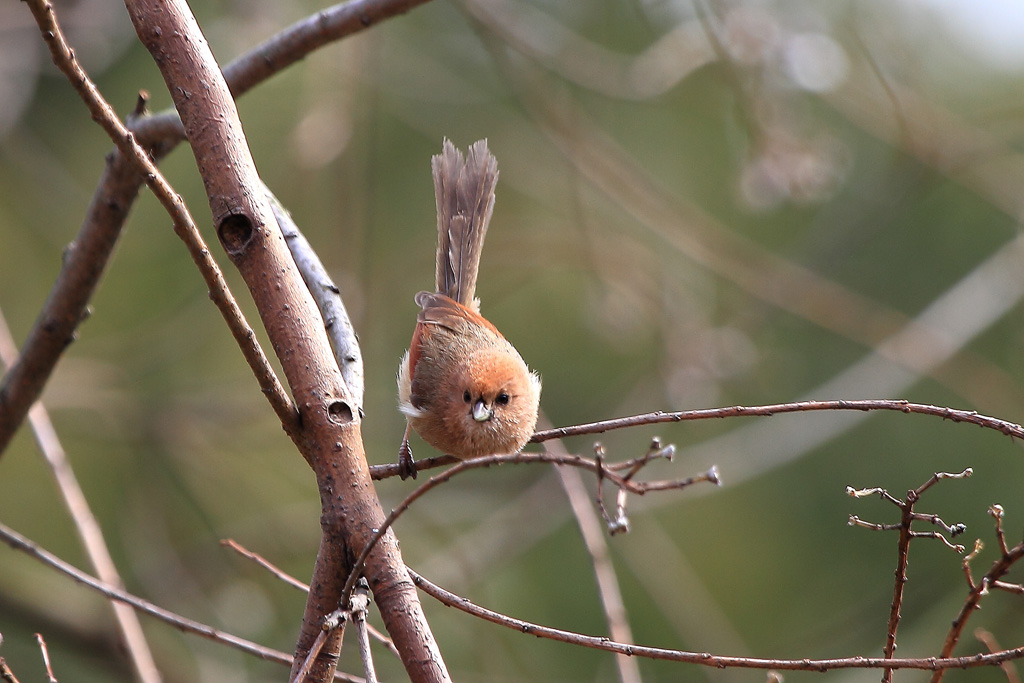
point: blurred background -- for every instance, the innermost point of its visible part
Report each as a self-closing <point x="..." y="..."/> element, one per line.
<point x="701" y="204"/>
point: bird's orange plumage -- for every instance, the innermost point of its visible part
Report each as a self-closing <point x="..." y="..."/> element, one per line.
<point x="462" y="386"/>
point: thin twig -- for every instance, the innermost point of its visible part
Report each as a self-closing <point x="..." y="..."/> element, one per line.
<point x="6" y="675"/>
<point x="898" y="405"/>
<point x="295" y="583"/>
<point x="902" y="560"/>
<point x="184" y="225"/>
<point x="705" y="658"/>
<point x="310" y="659"/>
<point x="20" y="543"/>
<point x="359" y="605"/>
<point x="475" y="463"/>
<point x="1000" y="567"/>
<point x="50" y="678"/>
<point x="604" y="571"/>
<point x="990" y="642"/>
<point x="88" y="528"/>
<point x="907" y="518"/>
<point x="266" y="564"/>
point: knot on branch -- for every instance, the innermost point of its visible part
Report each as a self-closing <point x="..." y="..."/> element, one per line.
<point x="340" y="412"/>
<point x="235" y="232"/>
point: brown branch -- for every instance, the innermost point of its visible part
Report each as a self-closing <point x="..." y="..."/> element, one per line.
<point x="15" y="403"/>
<point x="907" y="518"/>
<point x="990" y="642"/>
<point x="86" y="257"/>
<point x="604" y="571"/>
<point x="184" y="624"/>
<point x="89" y="532"/>
<point x="1002" y="426"/>
<point x="295" y="583"/>
<point x="705" y="658"/>
<point x="488" y="461"/>
<point x="45" y="651"/>
<point x="329" y="434"/>
<point x="1002" y="565"/>
<point x="6" y="675"/>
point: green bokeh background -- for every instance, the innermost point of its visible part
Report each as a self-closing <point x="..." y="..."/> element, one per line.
<point x="896" y="180"/>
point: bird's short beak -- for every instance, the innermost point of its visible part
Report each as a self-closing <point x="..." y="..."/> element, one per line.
<point x="482" y="412"/>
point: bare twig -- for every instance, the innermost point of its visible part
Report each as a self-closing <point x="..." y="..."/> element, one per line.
<point x="295" y="583"/>
<point x="266" y="564"/>
<point x="88" y="528"/>
<point x="907" y="517"/>
<point x="604" y="571"/>
<point x="45" y="651"/>
<point x="705" y="658"/>
<point x="87" y="256"/>
<point x="1000" y="567"/>
<point x="358" y="609"/>
<point x="184" y="226"/>
<point x="488" y="461"/>
<point x="1002" y="426"/>
<point x="22" y="544"/>
<point x="990" y="642"/>
<point x="300" y="674"/>
<point x="6" y="675"/>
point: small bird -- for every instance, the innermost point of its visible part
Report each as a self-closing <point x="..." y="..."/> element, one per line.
<point x="463" y="388"/>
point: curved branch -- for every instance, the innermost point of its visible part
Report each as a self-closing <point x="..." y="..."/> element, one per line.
<point x="329" y="435"/>
<point x="705" y="658"/>
<point x="624" y="483"/>
<point x="1004" y="427"/>
<point x="87" y="256"/>
<point x="20" y="543"/>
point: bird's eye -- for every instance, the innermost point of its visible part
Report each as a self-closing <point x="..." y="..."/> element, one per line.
<point x="503" y="399"/>
<point x="466" y="397"/>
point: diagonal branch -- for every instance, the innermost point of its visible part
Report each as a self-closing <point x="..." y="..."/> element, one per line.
<point x="86" y="258"/>
<point x="88" y="528"/>
<point x="184" y="624"/>
<point x="329" y="433"/>
<point x="705" y="658"/>
<point x="140" y="162"/>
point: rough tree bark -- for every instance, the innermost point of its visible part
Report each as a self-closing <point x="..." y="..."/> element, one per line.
<point x="329" y="436"/>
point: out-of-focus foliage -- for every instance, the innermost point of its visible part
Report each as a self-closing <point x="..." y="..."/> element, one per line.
<point x="700" y="204"/>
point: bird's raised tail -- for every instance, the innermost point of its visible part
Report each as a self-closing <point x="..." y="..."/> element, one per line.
<point x="464" y="191"/>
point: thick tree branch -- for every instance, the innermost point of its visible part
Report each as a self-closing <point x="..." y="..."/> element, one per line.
<point x="87" y="256"/>
<point x="329" y="435"/>
<point x="24" y="381"/>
